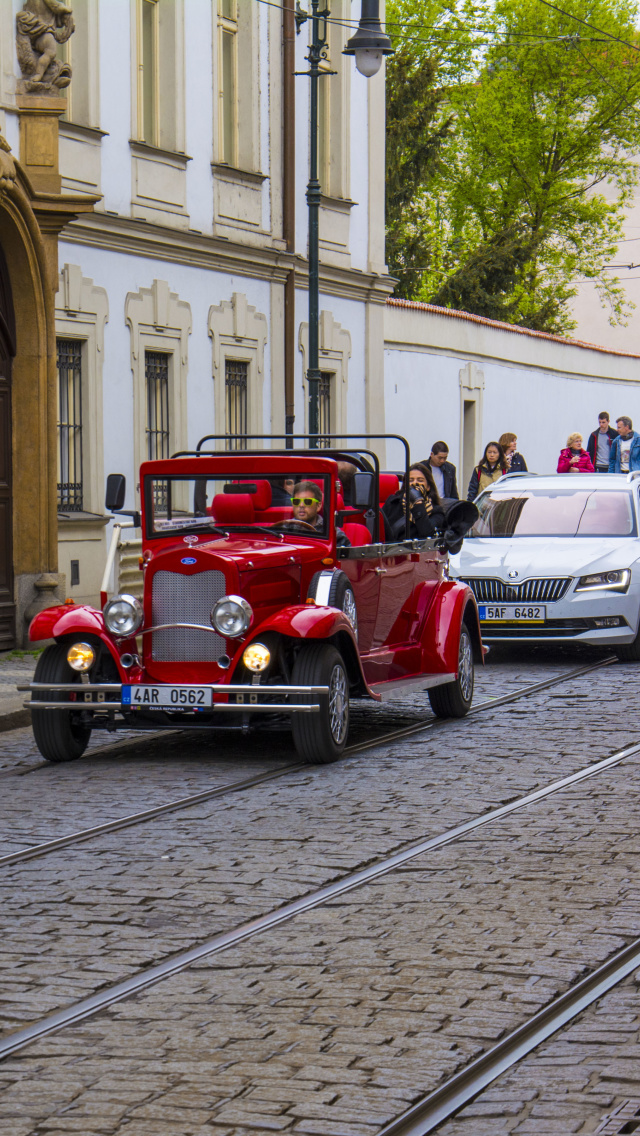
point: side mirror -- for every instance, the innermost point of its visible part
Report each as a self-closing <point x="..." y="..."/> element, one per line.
<point x="362" y="491"/>
<point x="116" y="490"/>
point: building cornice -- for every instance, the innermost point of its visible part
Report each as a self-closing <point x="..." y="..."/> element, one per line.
<point x="158" y="242"/>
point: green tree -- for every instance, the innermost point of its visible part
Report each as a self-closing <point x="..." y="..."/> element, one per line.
<point x="534" y="177"/>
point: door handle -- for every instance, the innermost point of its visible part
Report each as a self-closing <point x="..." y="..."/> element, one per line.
<point x="380" y="571"/>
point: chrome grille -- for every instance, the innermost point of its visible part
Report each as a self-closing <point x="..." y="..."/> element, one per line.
<point x="530" y="591"/>
<point x="186" y="599"/>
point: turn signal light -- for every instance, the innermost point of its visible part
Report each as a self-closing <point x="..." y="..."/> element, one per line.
<point x="81" y="657"/>
<point x="256" y="657"/>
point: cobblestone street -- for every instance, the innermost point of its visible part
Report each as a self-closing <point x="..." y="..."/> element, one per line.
<point x="336" y="1021"/>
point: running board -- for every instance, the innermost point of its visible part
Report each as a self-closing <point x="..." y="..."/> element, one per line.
<point x="383" y="691"/>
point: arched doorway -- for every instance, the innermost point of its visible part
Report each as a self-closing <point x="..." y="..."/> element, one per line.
<point x="7" y="351"/>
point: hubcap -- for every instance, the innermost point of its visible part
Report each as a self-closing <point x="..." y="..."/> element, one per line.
<point x="349" y="609"/>
<point x="465" y="666"/>
<point x="338" y="704"/>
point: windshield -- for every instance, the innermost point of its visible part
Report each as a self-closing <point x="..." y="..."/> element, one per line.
<point x="555" y="512"/>
<point x="283" y="504"/>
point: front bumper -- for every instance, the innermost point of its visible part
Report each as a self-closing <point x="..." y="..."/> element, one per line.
<point x="98" y="698"/>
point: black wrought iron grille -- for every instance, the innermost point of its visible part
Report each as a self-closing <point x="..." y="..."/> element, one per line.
<point x="324" y="409"/>
<point x="530" y="591"/>
<point x="69" y="360"/>
<point x="156" y="369"/>
<point x="236" y="402"/>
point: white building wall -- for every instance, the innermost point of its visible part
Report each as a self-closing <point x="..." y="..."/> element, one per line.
<point x="540" y="387"/>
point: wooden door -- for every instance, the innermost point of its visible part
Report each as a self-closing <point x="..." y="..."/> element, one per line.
<point x="7" y="350"/>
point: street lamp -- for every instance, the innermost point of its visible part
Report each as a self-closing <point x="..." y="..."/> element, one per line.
<point x="369" y="43"/>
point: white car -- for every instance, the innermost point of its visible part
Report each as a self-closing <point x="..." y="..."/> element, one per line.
<point x="556" y="559"/>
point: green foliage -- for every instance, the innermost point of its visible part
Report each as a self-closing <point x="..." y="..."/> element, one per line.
<point x="532" y="178"/>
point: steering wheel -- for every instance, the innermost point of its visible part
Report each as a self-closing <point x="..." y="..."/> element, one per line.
<point x="295" y="524"/>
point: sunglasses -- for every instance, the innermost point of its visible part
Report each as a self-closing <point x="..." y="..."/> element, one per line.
<point x="305" y="501"/>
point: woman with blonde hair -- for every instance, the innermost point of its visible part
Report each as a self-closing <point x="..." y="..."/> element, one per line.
<point x="574" y="459"/>
<point x="514" y="460"/>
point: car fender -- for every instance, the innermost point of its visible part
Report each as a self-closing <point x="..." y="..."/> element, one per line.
<point x="316" y="622"/>
<point x="454" y="604"/>
<point x="78" y="619"/>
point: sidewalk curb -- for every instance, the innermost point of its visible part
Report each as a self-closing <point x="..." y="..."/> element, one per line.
<point x="14" y="720"/>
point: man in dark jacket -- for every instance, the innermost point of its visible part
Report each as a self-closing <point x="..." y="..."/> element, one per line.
<point x="444" y="472"/>
<point x="599" y="444"/>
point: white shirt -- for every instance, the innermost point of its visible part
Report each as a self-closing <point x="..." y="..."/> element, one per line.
<point x="438" y="477"/>
<point x="625" y="449"/>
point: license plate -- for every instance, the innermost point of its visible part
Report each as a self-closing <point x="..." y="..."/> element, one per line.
<point x="512" y="613"/>
<point x="167" y="697"/>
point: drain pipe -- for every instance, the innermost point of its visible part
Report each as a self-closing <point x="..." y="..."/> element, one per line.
<point x="289" y="212"/>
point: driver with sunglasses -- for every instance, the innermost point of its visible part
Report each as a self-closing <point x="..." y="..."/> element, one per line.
<point x="307" y="502"/>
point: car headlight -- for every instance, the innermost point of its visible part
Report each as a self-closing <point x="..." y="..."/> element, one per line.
<point x="81" y="657"/>
<point x="123" y="615"/>
<point x="231" y="616"/>
<point x="256" y="657"/>
<point x="617" y="581"/>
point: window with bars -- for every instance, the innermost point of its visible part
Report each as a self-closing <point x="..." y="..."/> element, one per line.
<point x="236" y="402"/>
<point x="69" y="361"/>
<point x="228" y="81"/>
<point x="324" y="408"/>
<point x="156" y="370"/>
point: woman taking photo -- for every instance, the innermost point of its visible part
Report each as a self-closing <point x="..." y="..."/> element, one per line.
<point x="492" y="466"/>
<point x="573" y="459"/>
<point x="514" y="460"/>
<point x="426" y="517"/>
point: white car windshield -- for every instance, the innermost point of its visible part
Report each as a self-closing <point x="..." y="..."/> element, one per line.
<point x="555" y="512"/>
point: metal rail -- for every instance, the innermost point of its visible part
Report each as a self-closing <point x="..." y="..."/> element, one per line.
<point x="87" y="1007"/>
<point x="49" y="846"/>
<point x="438" y="1106"/>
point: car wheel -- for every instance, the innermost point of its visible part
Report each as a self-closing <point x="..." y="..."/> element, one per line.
<point x="629" y="652"/>
<point x="334" y="589"/>
<point x="453" y="700"/>
<point x="59" y="735"/>
<point x="320" y="737"/>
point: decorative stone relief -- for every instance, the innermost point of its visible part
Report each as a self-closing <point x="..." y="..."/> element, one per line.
<point x="40" y="27"/>
<point x="7" y="165"/>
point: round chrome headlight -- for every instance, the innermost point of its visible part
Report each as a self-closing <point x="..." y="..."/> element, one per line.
<point x="123" y="615"/>
<point x="231" y="616"/>
<point x="81" y="657"/>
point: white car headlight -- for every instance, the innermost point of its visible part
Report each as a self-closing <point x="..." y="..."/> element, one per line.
<point x="617" y="581"/>
<point x="123" y="615"/>
<point x="231" y="616"/>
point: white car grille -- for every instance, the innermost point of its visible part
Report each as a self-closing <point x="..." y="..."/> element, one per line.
<point x="530" y="591"/>
<point x="186" y="599"/>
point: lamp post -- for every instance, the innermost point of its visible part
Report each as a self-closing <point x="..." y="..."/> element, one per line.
<point x="369" y="43"/>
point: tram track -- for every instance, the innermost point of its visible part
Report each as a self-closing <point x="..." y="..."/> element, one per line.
<point x="143" y="816"/>
<point x="177" y="963"/>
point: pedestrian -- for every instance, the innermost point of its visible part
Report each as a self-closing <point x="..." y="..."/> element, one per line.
<point x="427" y="515"/>
<point x="492" y="465"/>
<point x="624" y="455"/>
<point x="599" y="444"/>
<point x="573" y="459"/>
<point x="514" y="460"/>
<point x="444" y="472"/>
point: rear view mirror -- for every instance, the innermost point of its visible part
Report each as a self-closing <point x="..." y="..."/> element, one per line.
<point x="362" y="491"/>
<point x="116" y="489"/>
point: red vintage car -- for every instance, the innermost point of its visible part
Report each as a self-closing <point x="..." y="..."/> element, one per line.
<point x="266" y="593"/>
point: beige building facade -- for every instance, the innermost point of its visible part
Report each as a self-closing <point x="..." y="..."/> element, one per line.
<point x="181" y="301"/>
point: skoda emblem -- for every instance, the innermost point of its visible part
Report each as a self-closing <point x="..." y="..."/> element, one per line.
<point x="513" y="575"/>
<point x="190" y="539"/>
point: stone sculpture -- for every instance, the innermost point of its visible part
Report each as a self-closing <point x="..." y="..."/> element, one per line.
<point x="40" y="27"/>
<point x="7" y="165"/>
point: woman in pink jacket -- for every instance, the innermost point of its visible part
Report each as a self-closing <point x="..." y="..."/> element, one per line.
<point x="574" y="459"/>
